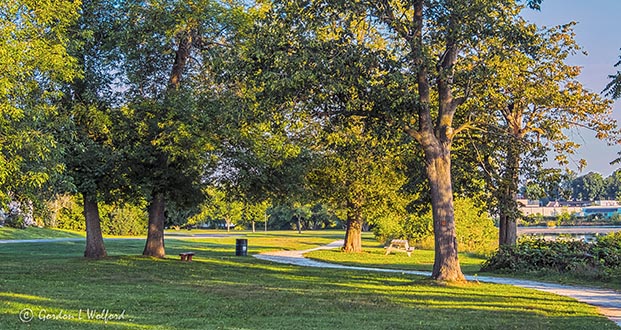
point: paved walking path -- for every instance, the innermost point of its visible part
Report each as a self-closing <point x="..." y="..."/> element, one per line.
<point x="608" y="302"/>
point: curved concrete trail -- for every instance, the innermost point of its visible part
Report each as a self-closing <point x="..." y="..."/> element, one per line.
<point x="608" y="302"/>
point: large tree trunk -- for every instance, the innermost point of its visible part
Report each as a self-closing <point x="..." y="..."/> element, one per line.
<point x="181" y="58"/>
<point x="507" y="229"/>
<point x="446" y="264"/>
<point x="435" y="136"/>
<point x="155" y="237"/>
<point x="508" y="211"/>
<point x="94" y="240"/>
<point x="353" y="233"/>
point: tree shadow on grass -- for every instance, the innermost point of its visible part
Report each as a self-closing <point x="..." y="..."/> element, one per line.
<point x="219" y="290"/>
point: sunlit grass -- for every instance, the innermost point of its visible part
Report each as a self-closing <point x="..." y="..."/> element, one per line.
<point x="421" y="260"/>
<point x="7" y="233"/>
<point x="221" y="291"/>
<point x="374" y="255"/>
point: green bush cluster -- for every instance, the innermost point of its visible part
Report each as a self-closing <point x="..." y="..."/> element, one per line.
<point x="124" y="220"/>
<point x="600" y="259"/>
<point x="68" y="216"/>
<point x="116" y="219"/>
<point x="475" y="229"/>
<point x="570" y="219"/>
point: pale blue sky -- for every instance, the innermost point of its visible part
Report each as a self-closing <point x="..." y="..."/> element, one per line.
<point x="598" y="32"/>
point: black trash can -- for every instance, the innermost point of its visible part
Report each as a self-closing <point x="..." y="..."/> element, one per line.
<point x="241" y="247"/>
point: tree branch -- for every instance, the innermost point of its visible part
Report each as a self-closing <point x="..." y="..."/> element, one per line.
<point x="413" y="133"/>
<point x="387" y="15"/>
<point x="463" y="127"/>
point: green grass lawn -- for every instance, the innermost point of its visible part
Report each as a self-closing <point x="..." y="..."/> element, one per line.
<point x="7" y="233"/>
<point x="221" y="291"/>
<point x="373" y="255"/>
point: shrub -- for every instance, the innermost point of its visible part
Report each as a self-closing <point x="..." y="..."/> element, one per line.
<point x="126" y="219"/>
<point x="533" y="219"/>
<point x="600" y="260"/>
<point x="66" y="212"/>
<point x="414" y="228"/>
<point x="476" y="232"/>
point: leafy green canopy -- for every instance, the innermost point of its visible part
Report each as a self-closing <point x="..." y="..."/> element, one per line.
<point x="360" y="170"/>
<point x="527" y="108"/>
<point x="34" y="60"/>
<point x="171" y="127"/>
<point x="93" y="160"/>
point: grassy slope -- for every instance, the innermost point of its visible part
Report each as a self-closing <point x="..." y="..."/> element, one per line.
<point x="221" y="291"/>
<point x="7" y="233"/>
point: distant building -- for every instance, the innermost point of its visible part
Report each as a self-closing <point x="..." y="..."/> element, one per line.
<point x="606" y="203"/>
<point x="569" y="203"/>
<point x="549" y="211"/>
<point x="603" y="209"/>
<point x="528" y="202"/>
<point x="600" y="211"/>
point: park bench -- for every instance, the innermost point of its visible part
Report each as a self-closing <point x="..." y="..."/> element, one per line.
<point x="186" y="256"/>
<point x="399" y="245"/>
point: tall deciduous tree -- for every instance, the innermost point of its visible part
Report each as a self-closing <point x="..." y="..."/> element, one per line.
<point x="613" y="186"/>
<point x="254" y="212"/>
<point x="92" y="159"/>
<point x="589" y="187"/>
<point x="414" y="78"/>
<point x="360" y="172"/>
<point x="535" y="97"/>
<point x="34" y="60"/>
<point x="169" y="48"/>
<point x="220" y="207"/>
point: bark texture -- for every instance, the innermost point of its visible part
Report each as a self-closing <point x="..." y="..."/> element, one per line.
<point x="446" y="264"/>
<point x="508" y="214"/>
<point x="95" y="247"/>
<point x="353" y="233"/>
<point x="181" y="58"/>
<point x="155" y="237"/>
